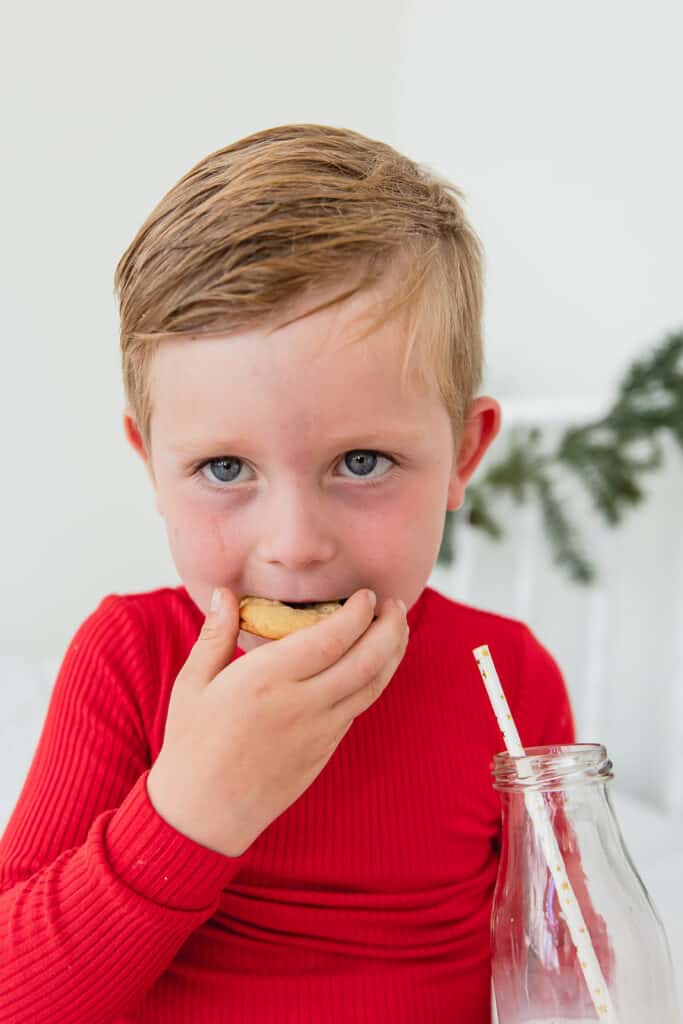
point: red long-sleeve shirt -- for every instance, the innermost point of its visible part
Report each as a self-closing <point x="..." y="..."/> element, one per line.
<point x="367" y="900"/>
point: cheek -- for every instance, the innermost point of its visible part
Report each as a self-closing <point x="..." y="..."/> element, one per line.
<point x="196" y="539"/>
<point x="417" y="502"/>
<point x="381" y="527"/>
<point x="411" y="526"/>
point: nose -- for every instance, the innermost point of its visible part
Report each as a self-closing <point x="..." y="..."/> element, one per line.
<point x="296" y="531"/>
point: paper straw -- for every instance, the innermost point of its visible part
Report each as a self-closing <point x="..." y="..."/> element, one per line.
<point x="538" y="813"/>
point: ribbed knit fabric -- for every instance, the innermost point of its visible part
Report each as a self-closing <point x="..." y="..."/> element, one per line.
<point x="368" y="900"/>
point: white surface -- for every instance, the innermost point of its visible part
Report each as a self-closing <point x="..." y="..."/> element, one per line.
<point x="655" y="843"/>
<point x="25" y="688"/>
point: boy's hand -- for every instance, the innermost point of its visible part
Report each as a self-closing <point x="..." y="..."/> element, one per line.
<point x="244" y="740"/>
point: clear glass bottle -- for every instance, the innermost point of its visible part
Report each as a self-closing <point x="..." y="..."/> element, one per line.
<point x="536" y="972"/>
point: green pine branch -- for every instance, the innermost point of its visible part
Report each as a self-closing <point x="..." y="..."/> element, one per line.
<point x="608" y="456"/>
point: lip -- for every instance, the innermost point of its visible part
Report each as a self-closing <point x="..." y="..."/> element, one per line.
<point x="303" y="600"/>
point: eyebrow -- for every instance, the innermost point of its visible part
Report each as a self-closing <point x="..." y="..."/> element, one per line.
<point x="389" y="436"/>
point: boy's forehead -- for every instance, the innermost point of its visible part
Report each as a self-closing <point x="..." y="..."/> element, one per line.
<point x="290" y="358"/>
<point x="206" y="387"/>
<point x="312" y="371"/>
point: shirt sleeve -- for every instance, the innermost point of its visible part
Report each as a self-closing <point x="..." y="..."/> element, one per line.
<point x="97" y="891"/>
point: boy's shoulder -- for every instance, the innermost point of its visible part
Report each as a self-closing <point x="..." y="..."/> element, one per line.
<point x="469" y="623"/>
<point x="533" y="681"/>
<point x="138" y="641"/>
<point x="453" y="629"/>
<point x="149" y="624"/>
<point x="148" y="604"/>
<point x="157" y="601"/>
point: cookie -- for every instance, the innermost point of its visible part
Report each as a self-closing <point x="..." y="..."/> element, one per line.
<point x="274" y="619"/>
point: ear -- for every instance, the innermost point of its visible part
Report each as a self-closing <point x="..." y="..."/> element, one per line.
<point x="134" y="438"/>
<point x="133" y="435"/>
<point x="481" y="427"/>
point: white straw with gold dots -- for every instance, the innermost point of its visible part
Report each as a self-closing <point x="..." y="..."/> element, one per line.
<point x="548" y="841"/>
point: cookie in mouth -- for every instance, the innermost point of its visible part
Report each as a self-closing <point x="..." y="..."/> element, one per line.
<point x="272" y="620"/>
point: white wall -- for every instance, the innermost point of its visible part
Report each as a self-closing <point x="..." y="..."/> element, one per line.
<point x="104" y="108"/>
<point x="559" y="121"/>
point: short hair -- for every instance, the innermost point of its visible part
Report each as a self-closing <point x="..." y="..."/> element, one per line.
<point x="281" y="212"/>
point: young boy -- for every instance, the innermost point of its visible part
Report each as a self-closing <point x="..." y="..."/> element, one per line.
<point x="217" y="827"/>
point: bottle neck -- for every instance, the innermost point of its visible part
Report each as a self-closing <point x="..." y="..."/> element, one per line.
<point x="551" y="768"/>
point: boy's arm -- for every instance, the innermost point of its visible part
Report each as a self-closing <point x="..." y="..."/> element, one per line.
<point x="97" y="891"/>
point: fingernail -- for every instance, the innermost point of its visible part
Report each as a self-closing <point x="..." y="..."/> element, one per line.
<point x="372" y="597"/>
<point x="216" y="600"/>
<point x="401" y="605"/>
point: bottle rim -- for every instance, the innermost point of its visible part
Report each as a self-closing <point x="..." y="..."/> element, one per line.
<point x="551" y="767"/>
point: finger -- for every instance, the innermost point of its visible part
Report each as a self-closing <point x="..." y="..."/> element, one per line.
<point x="363" y="697"/>
<point x="380" y="648"/>
<point x="313" y="649"/>
<point x="217" y="640"/>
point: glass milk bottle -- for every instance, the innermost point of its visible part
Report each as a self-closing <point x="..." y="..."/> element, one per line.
<point x="537" y="976"/>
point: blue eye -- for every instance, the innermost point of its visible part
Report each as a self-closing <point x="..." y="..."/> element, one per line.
<point x="361" y="462"/>
<point x="223" y="468"/>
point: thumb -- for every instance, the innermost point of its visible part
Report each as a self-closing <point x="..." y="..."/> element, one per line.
<point x="217" y="639"/>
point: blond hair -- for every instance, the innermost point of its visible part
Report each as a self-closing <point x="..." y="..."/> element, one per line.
<point x="284" y="211"/>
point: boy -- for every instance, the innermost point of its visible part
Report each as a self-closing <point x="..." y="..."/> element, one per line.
<point x="217" y="827"/>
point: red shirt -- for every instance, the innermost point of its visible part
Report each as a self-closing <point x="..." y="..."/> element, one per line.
<point x="367" y="900"/>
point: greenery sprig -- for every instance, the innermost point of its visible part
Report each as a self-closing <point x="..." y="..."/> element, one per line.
<point x="609" y="456"/>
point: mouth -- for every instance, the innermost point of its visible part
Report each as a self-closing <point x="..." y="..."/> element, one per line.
<point x="312" y="604"/>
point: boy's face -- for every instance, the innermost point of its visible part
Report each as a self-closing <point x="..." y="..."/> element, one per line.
<point x="292" y="466"/>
